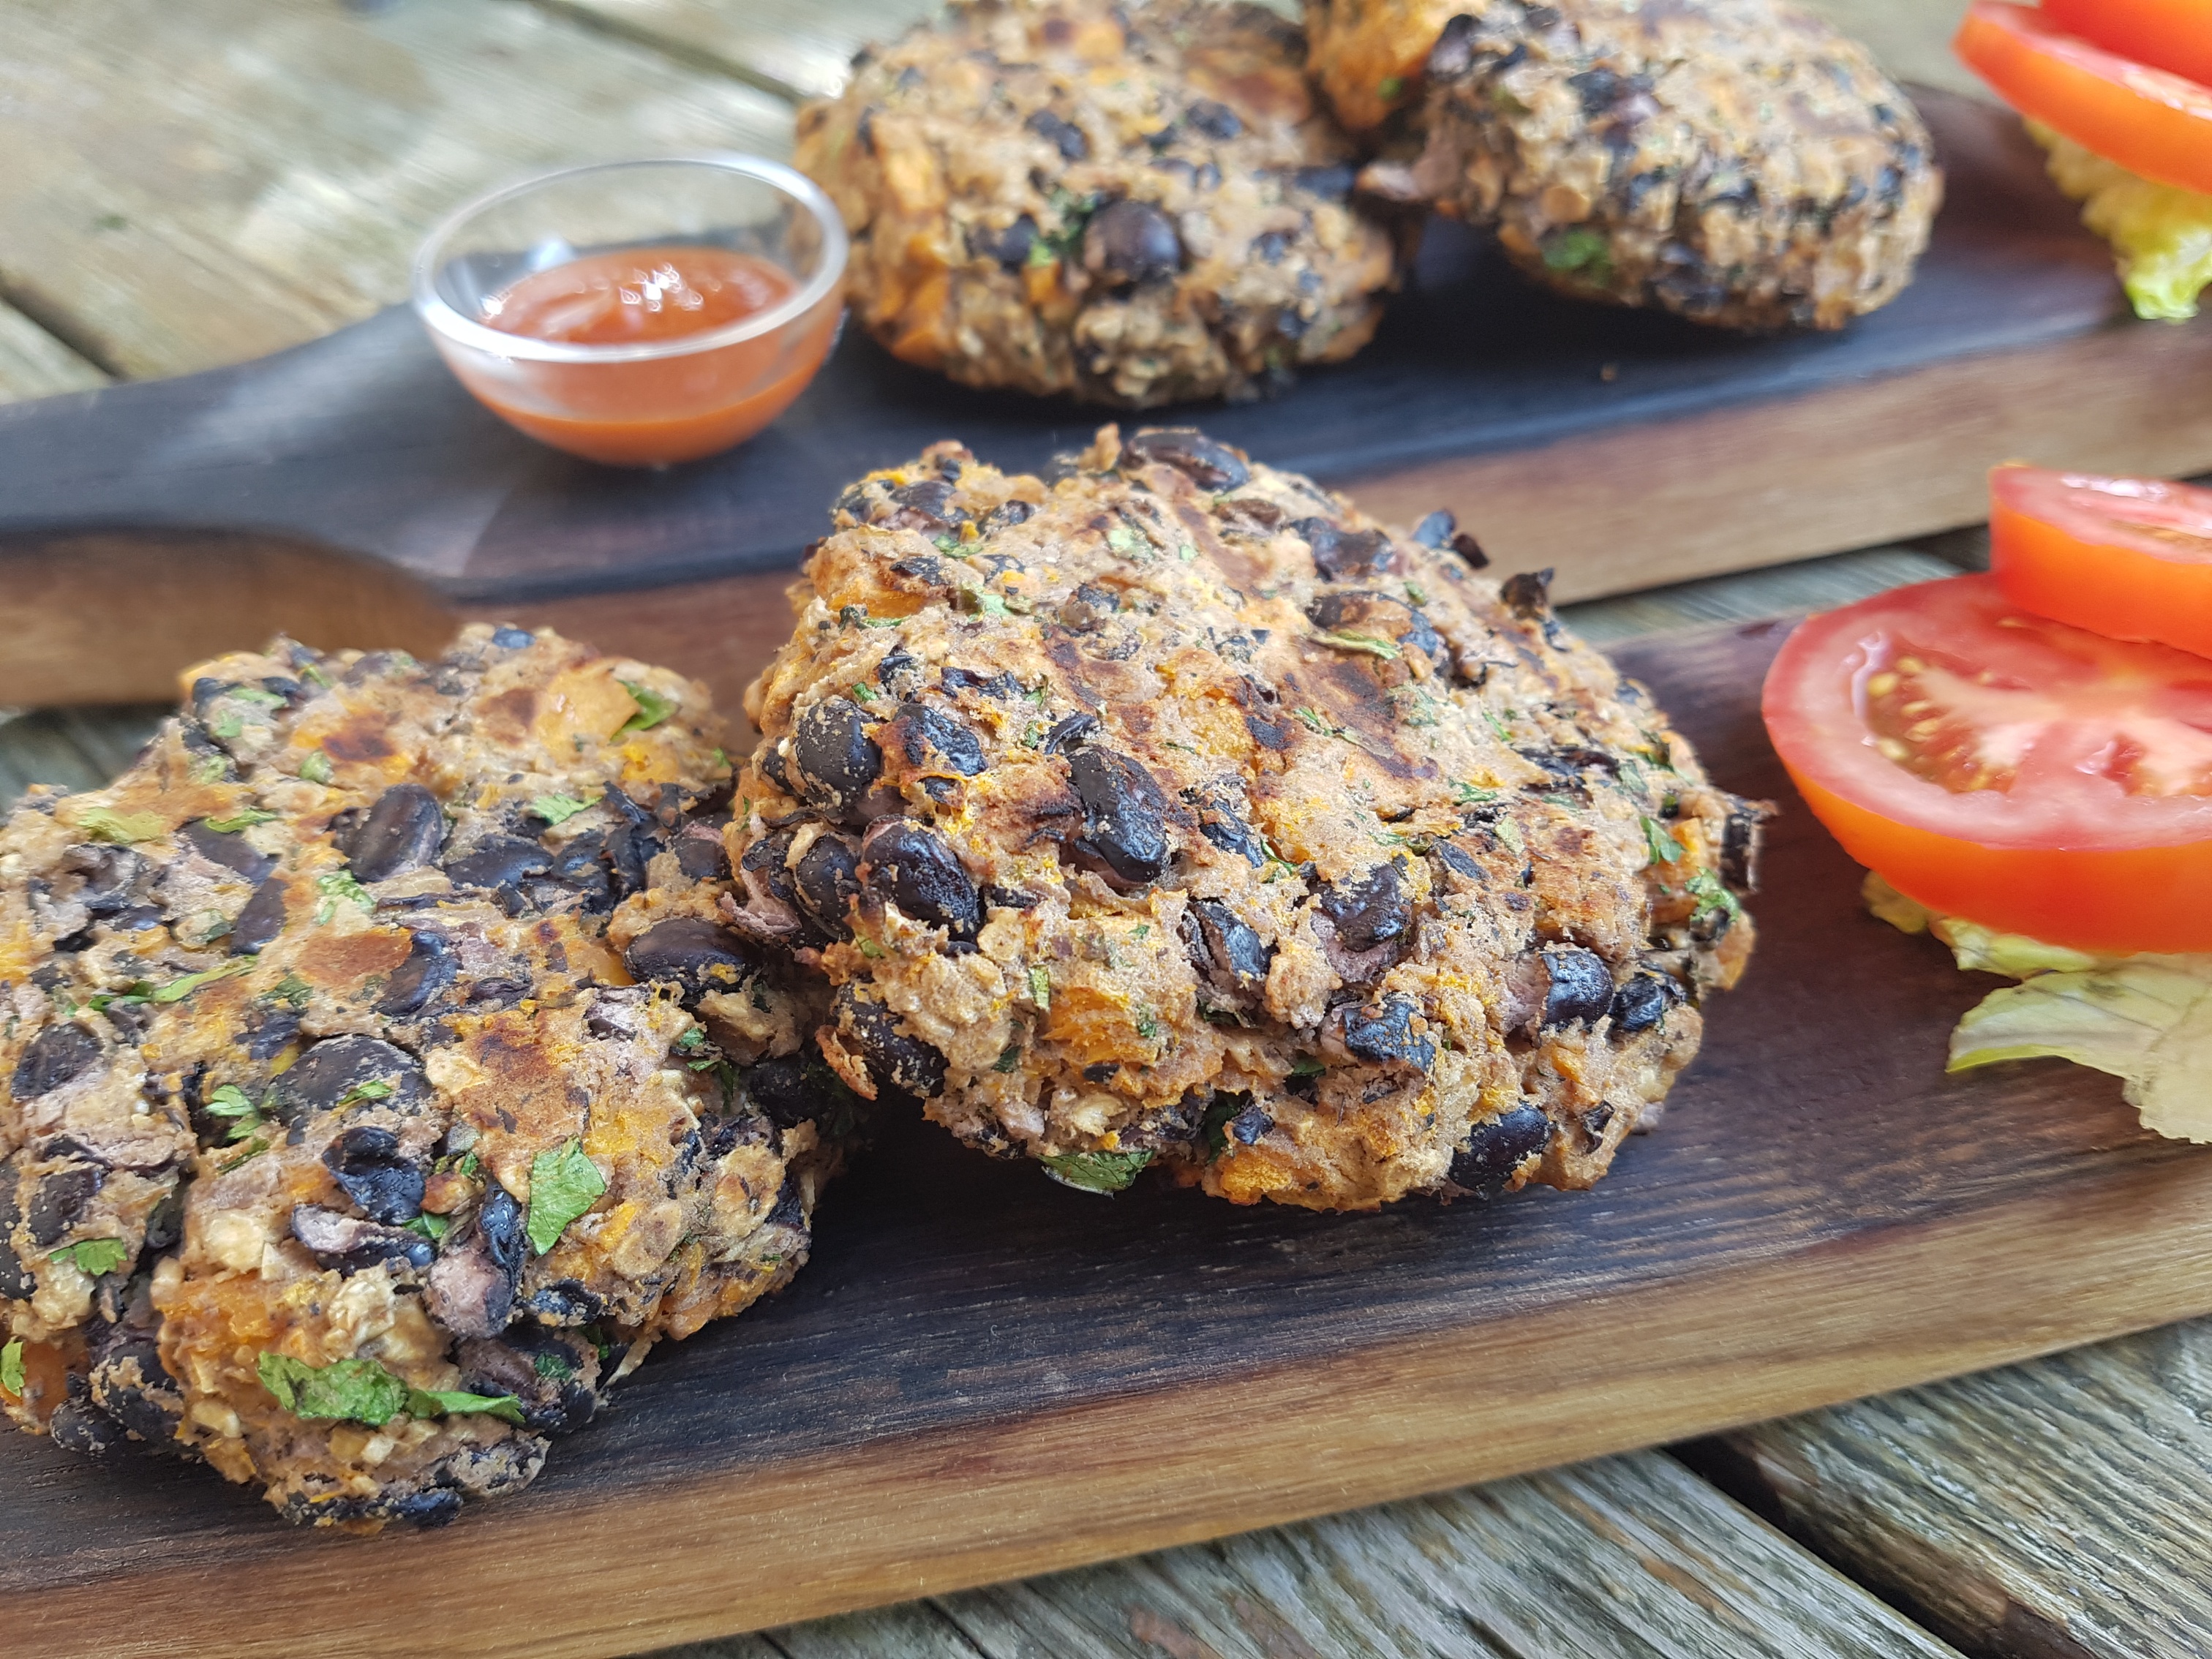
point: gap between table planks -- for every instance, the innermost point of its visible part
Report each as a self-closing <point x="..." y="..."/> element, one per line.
<point x="981" y="1376"/>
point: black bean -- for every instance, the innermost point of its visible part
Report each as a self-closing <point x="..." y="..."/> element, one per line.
<point x="1643" y="1002"/>
<point x="270" y="1031"/>
<point x="1269" y="246"/>
<point x="1208" y="465"/>
<point x="499" y="861"/>
<point x="899" y="673"/>
<point x="702" y="858"/>
<point x="1225" y="950"/>
<point x="1581" y="986"/>
<point x="512" y="639"/>
<point x="82" y="1427"/>
<point x="1437" y="530"/>
<point x="338" y="1068"/>
<point x="1006" y="515"/>
<point x="419" y="981"/>
<point x="1214" y="120"/>
<point x="769" y="757"/>
<point x="920" y="873"/>
<point x="552" y="1377"/>
<point x="769" y="858"/>
<point x="826" y="880"/>
<point x="1529" y="595"/>
<point x="565" y="1302"/>
<point x="1069" y="733"/>
<point x="581" y="868"/>
<point x="1131" y="241"/>
<point x="499" y="1225"/>
<point x="834" y="761"/>
<point x="1384" y="1034"/>
<point x="1010" y="247"/>
<point x="1498" y="1147"/>
<point x="1369" y="909"/>
<point x="1470" y="549"/>
<point x="1453" y="55"/>
<point x="350" y="1245"/>
<point x="1125" y="814"/>
<point x="1001" y="686"/>
<point x="1063" y="135"/>
<point x="128" y="1383"/>
<point x="1340" y="554"/>
<point x="1331" y="184"/>
<point x="60" y="1198"/>
<point x="1221" y="821"/>
<point x="1248" y="1125"/>
<point x="377" y="1173"/>
<point x="402" y="831"/>
<point x="894" y="1059"/>
<point x="261" y="919"/>
<point x="783" y="1090"/>
<point x="227" y="848"/>
<point x="15" y="1284"/>
<point x="1456" y="860"/>
<point x="110" y="875"/>
<point x="59" y="1054"/>
<point x="689" y="953"/>
<point x="928" y="731"/>
<point x="1741" y="841"/>
<point x="790" y="1207"/>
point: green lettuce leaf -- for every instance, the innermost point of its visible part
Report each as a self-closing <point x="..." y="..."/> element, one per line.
<point x="2145" y="1020"/>
<point x="2161" y="232"/>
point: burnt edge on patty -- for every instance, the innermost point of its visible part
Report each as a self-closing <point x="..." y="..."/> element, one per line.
<point x="366" y="1107"/>
<point x="1737" y="163"/>
<point x="1175" y="812"/>
<point x="1130" y="206"/>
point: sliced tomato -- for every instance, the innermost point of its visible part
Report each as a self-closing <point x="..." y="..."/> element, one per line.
<point x="2001" y="766"/>
<point x="2168" y="34"/>
<point x="2148" y="121"/>
<point x="2127" y="557"/>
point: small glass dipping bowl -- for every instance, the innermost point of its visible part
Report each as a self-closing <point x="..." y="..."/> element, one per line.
<point x="646" y="403"/>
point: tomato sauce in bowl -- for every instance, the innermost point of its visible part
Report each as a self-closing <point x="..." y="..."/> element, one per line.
<point x="657" y="350"/>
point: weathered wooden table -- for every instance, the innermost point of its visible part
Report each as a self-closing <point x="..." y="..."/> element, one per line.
<point x="185" y="183"/>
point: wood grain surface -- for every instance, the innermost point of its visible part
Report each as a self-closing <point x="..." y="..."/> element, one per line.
<point x="2060" y="1510"/>
<point x="982" y="1375"/>
<point x="1627" y="1558"/>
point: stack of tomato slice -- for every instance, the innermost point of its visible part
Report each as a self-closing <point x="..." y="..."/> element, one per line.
<point x="2120" y="91"/>
<point x="2128" y="79"/>
<point x="2030" y="750"/>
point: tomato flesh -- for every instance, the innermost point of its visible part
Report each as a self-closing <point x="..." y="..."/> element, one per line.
<point x="2127" y="557"/>
<point x="2175" y="35"/>
<point x="2150" y="122"/>
<point x="1999" y="766"/>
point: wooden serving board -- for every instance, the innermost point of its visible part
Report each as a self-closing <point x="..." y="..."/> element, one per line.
<point x="982" y="1375"/>
<point x="349" y="489"/>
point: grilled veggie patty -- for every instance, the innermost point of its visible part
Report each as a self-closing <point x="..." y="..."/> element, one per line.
<point x="337" y="1146"/>
<point x="1176" y="812"/>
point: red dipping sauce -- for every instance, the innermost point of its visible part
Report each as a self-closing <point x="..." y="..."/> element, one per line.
<point x="658" y="405"/>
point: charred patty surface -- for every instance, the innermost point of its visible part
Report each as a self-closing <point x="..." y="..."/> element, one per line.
<point x="1735" y="161"/>
<point x="1177" y="812"/>
<point x="1132" y="206"/>
<point x="340" y="1144"/>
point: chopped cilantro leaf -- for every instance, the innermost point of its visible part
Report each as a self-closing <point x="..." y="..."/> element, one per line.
<point x="559" y="809"/>
<point x="177" y="989"/>
<point x="292" y="991"/>
<point x="237" y="821"/>
<point x="228" y="1100"/>
<point x="446" y="1402"/>
<point x="349" y="1390"/>
<point x="1711" y="895"/>
<point x="426" y="1226"/>
<point x="1040" y="987"/>
<point x="210" y="768"/>
<point x="1214" y="1127"/>
<point x="94" y="1257"/>
<point x="11" y="1367"/>
<point x="376" y="1088"/>
<point x="340" y="886"/>
<point x="1307" y="1065"/>
<point x="106" y="823"/>
<point x="316" y="767"/>
<point x="1096" y="1172"/>
<point x="254" y="1148"/>
<point x="1389" y="86"/>
<point x="652" y="707"/>
<point x="1371" y="645"/>
<point x="1009" y="1057"/>
<point x="563" y="1184"/>
<point x="1662" y="846"/>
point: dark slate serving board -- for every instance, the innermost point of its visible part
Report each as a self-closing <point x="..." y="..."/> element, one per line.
<point x="982" y="1375"/>
<point x="362" y="443"/>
